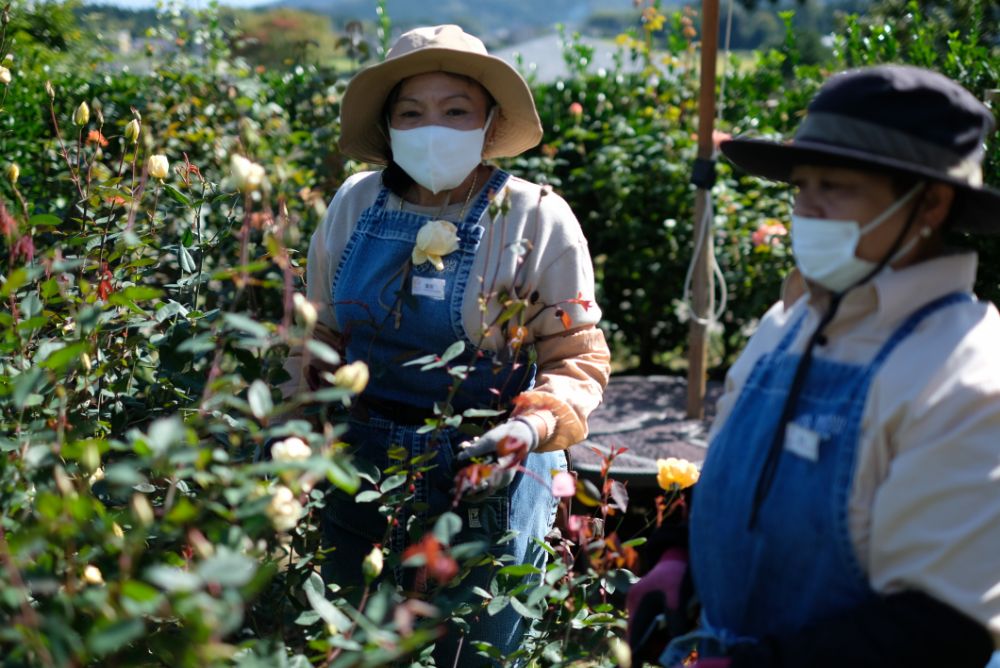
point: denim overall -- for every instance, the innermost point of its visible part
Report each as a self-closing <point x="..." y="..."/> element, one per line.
<point x="389" y="316"/>
<point x="795" y="564"/>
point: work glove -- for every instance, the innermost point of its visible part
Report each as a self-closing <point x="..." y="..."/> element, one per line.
<point x="655" y="606"/>
<point x="491" y="461"/>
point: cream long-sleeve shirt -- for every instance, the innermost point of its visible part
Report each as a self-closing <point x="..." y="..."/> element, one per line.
<point x="924" y="508"/>
<point x="532" y="244"/>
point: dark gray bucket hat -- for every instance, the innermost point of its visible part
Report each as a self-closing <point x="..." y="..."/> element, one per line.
<point x="892" y="118"/>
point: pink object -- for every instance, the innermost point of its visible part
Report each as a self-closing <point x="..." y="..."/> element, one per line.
<point x="563" y="485"/>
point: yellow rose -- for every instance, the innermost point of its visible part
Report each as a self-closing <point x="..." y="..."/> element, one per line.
<point x="435" y="239"/>
<point x="673" y="473"/>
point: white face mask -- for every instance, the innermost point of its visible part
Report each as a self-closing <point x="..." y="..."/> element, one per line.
<point x="824" y="249"/>
<point x="436" y="157"/>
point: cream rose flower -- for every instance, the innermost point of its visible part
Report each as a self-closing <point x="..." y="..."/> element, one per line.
<point x="673" y="473"/>
<point x="247" y="174"/>
<point x="284" y="509"/>
<point x="290" y="449"/>
<point x="435" y="239"/>
<point x="5" y="76"/>
<point x="353" y="377"/>
<point x="159" y="166"/>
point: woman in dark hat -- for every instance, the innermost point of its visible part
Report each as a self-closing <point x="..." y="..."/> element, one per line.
<point x="848" y="510"/>
<point x="441" y="256"/>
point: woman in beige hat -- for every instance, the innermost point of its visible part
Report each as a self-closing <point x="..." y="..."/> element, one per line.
<point x="440" y="254"/>
<point x="848" y="511"/>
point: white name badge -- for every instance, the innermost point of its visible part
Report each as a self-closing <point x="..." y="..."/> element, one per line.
<point x="428" y="287"/>
<point x="802" y="442"/>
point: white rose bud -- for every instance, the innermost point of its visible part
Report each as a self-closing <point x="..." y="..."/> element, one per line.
<point x="305" y="310"/>
<point x="353" y="377"/>
<point x="248" y="175"/>
<point x="49" y="90"/>
<point x="284" y="509"/>
<point x="290" y="449"/>
<point x="132" y="131"/>
<point x="13" y="172"/>
<point x="9" y="57"/>
<point x="4" y="75"/>
<point x="92" y="575"/>
<point x="372" y="565"/>
<point x="159" y="166"/>
<point x="81" y="115"/>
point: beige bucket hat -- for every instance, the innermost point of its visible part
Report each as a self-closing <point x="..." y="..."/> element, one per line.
<point x="444" y="48"/>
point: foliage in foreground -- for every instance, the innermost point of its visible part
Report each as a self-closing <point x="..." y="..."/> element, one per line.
<point x="153" y="228"/>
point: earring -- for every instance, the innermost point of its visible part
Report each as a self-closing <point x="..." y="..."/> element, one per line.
<point x="926" y="232"/>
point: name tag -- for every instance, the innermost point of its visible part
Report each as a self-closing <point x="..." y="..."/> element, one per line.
<point x="802" y="442"/>
<point x="428" y="287"/>
<point x="474" y="521"/>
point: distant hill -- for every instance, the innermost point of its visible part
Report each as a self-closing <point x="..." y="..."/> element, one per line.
<point x="480" y="16"/>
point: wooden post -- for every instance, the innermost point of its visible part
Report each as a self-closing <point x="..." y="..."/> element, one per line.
<point x="701" y="279"/>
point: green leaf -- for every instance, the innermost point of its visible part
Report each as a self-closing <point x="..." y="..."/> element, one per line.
<point x="25" y="384"/>
<point x="172" y="579"/>
<point x="229" y="569"/>
<point x="447" y="527"/>
<point x="315" y="594"/>
<point x="392" y="482"/>
<point x="112" y="637"/>
<point x="164" y="433"/>
<point x="259" y="396"/>
<point x="202" y="343"/>
<point x="176" y="195"/>
<point x="530" y="612"/>
<point x="497" y="604"/>
<point x="454" y="350"/>
<point x="368" y="496"/>
<point x="242" y="323"/>
<point x="44" y="220"/>
<point x="139" y="293"/>
<point x="519" y="570"/>
<point x="322" y="351"/>
<point x="61" y="359"/>
<point x="188" y="265"/>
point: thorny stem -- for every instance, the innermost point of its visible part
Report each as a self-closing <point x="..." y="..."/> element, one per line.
<point x="73" y="175"/>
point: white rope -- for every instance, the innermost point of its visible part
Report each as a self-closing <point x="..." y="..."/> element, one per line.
<point x="705" y="224"/>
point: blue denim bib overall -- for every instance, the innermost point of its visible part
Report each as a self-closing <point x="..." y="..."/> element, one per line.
<point x="390" y="315"/>
<point x="796" y="564"/>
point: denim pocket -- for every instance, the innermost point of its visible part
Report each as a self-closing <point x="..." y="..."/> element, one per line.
<point x="484" y="522"/>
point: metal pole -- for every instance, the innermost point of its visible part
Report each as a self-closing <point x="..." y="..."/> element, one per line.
<point x="701" y="287"/>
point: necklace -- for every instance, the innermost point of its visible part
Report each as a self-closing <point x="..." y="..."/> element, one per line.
<point x="468" y="198"/>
